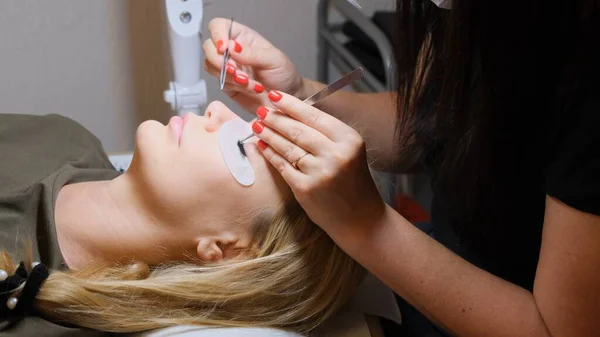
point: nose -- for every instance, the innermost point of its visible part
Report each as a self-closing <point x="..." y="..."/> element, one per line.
<point x="216" y="115"/>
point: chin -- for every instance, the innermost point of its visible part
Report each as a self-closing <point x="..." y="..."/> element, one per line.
<point x="150" y="145"/>
<point x="148" y="134"/>
<point x="149" y="126"/>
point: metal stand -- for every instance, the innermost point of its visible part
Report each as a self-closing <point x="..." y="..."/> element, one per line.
<point x="187" y="93"/>
<point x="331" y="50"/>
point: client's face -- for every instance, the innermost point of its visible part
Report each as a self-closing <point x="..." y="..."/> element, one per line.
<point x="181" y="175"/>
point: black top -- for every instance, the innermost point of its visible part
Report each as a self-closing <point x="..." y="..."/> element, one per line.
<point x="563" y="162"/>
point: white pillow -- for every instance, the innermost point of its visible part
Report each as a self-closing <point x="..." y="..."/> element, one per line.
<point x="372" y="298"/>
<point x="184" y="331"/>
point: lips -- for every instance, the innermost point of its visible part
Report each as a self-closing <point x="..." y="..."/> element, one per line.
<point x="186" y="119"/>
<point x="176" y="124"/>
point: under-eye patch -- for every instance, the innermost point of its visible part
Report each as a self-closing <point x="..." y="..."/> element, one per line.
<point x="237" y="162"/>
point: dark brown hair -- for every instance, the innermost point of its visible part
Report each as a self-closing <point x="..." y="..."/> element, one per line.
<point x="480" y="87"/>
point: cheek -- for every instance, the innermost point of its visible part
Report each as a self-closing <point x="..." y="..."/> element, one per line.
<point x="270" y="187"/>
<point x="205" y="166"/>
<point x="154" y="163"/>
<point x="197" y="177"/>
<point x="183" y="182"/>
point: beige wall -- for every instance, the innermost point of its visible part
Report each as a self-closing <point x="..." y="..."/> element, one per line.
<point x="105" y="63"/>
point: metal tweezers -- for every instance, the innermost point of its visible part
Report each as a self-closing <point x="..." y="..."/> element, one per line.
<point x="345" y="80"/>
<point x="225" y="60"/>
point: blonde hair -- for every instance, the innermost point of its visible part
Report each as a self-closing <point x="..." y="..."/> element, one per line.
<point x="295" y="279"/>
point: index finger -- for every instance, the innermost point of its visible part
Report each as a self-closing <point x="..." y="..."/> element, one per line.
<point x="256" y="50"/>
<point x="326" y="124"/>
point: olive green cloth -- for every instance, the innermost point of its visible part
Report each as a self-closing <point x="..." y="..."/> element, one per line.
<point x="38" y="156"/>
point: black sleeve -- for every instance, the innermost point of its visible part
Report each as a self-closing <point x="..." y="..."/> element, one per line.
<point x="573" y="169"/>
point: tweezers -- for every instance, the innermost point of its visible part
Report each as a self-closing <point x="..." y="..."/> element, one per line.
<point x="225" y="60"/>
<point x="345" y="80"/>
<point x="355" y="4"/>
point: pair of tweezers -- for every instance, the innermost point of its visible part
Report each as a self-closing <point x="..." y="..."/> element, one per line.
<point x="355" y="4"/>
<point x="225" y="60"/>
<point x="345" y="80"/>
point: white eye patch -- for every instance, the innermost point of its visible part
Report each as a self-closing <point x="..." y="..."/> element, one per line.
<point x="237" y="163"/>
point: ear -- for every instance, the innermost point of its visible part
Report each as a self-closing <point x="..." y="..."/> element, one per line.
<point x="209" y="250"/>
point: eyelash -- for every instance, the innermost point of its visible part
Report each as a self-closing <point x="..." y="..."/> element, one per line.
<point x="242" y="148"/>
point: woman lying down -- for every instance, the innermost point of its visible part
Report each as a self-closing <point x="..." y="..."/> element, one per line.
<point x="175" y="240"/>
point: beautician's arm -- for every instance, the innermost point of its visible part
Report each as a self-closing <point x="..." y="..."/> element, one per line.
<point x="468" y="301"/>
<point x="372" y="115"/>
<point x="335" y="188"/>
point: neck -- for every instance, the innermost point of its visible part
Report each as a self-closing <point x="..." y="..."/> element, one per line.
<point x="108" y="221"/>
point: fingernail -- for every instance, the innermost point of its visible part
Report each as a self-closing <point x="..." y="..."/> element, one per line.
<point x="258" y="127"/>
<point x="259" y="88"/>
<point x="238" y="47"/>
<point x="230" y="69"/>
<point x="262" y="112"/>
<point x="241" y="79"/>
<point x="219" y="45"/>
<point x="262" y="145"/>
<point x="275" y="96"/>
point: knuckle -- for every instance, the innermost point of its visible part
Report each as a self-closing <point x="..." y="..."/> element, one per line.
<point x="267" y="137"/>
<point x="313" y="117"/>
<point x="339" y="157"/>
<point x="352" y="138"/>
<point x="288" y="153"/>
<point x="288" y="105"/>
<point x="355" y="146"/>
<point x="269" y="155"/>
<point x="357" y="141"/>
<point x="327" y="175"/>
<point x="296" y="134"/>
<point x="206" y="48"/>
<point x="212" y="24"/>
<point x="304" y="188"/>
<point x="281" y="167"/>
<point x="301" y="188"/>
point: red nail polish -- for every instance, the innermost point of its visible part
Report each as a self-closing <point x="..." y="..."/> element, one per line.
<point x="241" y="79"/>
<point x="259" y="88"/>
<point x="231" y="69"/>
<point x="275" y="96"/>
<point x="219" y="46"/>
<point x="262" y="145"/>
<point x="238" y="47"/>
<point x="262" y="112"/>
<point x="258" y="127"/>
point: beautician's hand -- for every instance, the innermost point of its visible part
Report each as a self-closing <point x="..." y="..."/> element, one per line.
<point x="325" y="163"/>
<point x="255" y="66"/>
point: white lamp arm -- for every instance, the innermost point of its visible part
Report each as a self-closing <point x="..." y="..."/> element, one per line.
<point x="187" y="93"/>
